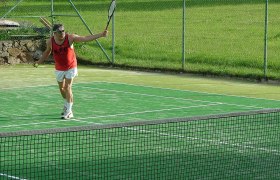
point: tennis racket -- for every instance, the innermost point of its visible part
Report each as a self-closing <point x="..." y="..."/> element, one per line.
<point x="111" y="11"/>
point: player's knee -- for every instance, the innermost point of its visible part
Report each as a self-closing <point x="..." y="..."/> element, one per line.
<point x="68" y="87"/>
<point x="61" y="89"/>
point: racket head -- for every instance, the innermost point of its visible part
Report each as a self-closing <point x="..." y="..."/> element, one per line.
<point x="111" y="8"/>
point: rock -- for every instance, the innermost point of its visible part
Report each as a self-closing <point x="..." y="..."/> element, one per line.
<point x="13" y="60"/>
<point x="4" y="54"/>
<point x="29" y="57"/>
<point x="21" y="51"/>
<point x="37" y="54"/>
<point x="16" y="44"/>
<point x="8" y="44"/>
<point x="22" y="57"/>
<point x="2" y="60"/>
<point x="15" y="52"/>
<point x="30" y="46"/>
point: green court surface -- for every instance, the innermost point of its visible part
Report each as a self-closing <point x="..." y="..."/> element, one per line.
<point x="89" y="146"/>
<point x="39" y="107"/>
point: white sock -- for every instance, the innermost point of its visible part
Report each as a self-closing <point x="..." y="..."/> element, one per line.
<point x="69" y="107"/>
<point x="65" y="102"/>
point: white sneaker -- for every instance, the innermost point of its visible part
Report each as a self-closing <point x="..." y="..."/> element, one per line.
<point x="67" y="115"/>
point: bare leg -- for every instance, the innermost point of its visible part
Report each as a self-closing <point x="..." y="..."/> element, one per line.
<point x="68" y="90"/>
<point x="62" y="88"/>
<point x="65" y="88"/>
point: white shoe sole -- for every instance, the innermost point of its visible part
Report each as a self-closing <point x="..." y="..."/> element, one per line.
<point x="67" y="116"/>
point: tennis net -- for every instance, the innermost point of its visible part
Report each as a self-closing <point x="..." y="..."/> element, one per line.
<point x="228" y="146"/>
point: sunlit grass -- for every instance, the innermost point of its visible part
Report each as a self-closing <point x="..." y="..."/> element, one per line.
<point x="222" y="37"/>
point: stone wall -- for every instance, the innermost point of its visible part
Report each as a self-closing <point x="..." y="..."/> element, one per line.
<point x="21" y="51"/>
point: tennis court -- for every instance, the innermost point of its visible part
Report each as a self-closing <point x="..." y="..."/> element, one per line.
<point x="39" y="107"/>
<point x="130" y="131"/>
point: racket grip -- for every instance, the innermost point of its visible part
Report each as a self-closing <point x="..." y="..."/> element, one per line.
<point x="107" y="26"/>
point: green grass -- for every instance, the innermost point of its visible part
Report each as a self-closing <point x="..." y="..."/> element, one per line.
<point x="223" y="38"/>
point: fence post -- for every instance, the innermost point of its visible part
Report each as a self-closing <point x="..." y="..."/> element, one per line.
<point x="265" y="39"/>
<point x="183" y="34"/>
<point x="113" y="38"/>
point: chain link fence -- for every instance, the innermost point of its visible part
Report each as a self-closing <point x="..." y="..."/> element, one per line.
<point x="225" y="37"/>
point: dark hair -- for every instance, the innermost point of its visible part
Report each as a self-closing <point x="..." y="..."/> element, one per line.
<point x="56" y="26"/>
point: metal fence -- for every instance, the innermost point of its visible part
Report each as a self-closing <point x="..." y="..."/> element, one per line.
<point x="192" y="35"/>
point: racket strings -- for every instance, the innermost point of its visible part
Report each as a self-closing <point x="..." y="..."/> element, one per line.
<point x="112" y="8"/>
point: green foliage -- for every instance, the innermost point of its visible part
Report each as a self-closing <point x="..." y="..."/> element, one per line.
<point x="6" y="34"/>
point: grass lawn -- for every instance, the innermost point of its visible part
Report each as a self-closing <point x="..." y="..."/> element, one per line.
<point x="222" y="37"/>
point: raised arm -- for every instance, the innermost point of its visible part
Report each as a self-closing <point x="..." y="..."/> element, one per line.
<point x="77" y="38"/>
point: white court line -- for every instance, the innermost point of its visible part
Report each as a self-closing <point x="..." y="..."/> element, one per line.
<point x="108" y="82"/>
<point x="151" y="111"/>
<point x="28" y="124"/>
<point x="133" y="113"/>
<point x="137" y="85"/>
<point x="37" y="86"/>
<point x="215" y="142"/>
<point x="126" y="92"/>
<point x="156" y="95"/>
<point x="106" y="116"/>
<point x="11" y="177"/>
<point x="169" y="97"/>
<point x="180" y="90"/>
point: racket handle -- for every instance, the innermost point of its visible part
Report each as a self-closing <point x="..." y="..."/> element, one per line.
<point x="107" y="25"/>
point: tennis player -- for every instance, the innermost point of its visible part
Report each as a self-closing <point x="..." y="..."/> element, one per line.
<point x="61" y="46"/>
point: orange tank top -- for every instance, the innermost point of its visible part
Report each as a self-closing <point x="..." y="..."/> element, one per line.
<point x="64" y="56"/>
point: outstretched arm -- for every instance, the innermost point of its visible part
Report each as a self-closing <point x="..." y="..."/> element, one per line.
<point x="77" y="38"/>
<point x="45" y="54"/>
